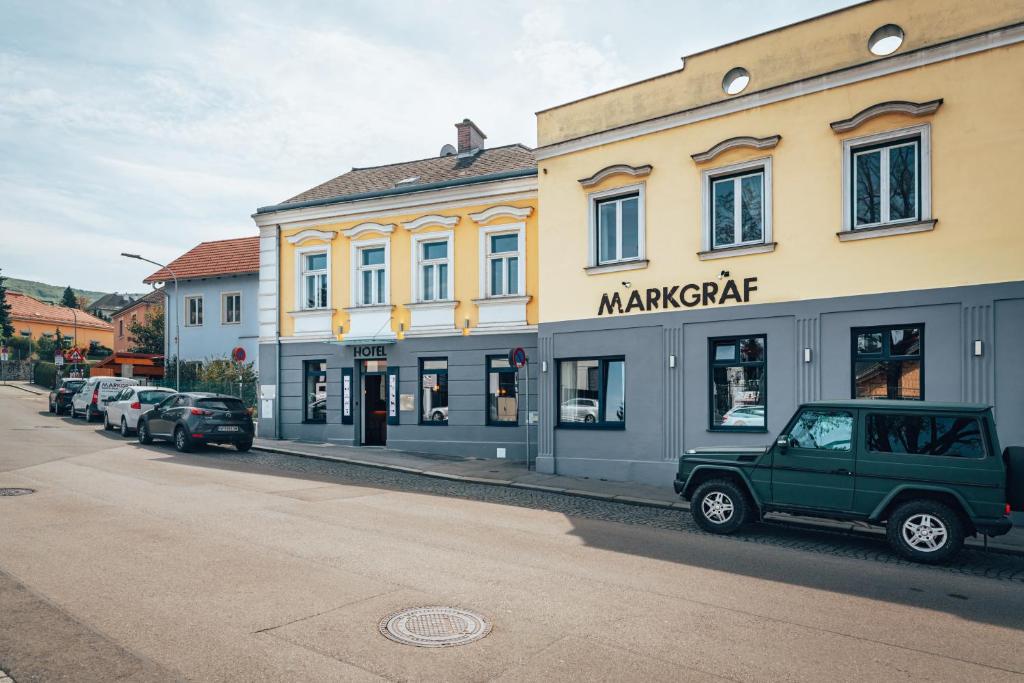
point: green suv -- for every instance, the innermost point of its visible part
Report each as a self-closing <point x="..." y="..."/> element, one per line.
<point x="932" y="473"/>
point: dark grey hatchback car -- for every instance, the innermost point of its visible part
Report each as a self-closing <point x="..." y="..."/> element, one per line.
<point x="194" y="418"/>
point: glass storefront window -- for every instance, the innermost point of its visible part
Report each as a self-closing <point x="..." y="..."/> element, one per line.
<point x="888" y="362"/>
<point x="315" y="373"/>
<point x="502" y="393"/>
<point x="434" y="391"/>
<point x="592" y="392"/>
<point x="738" y="385"/>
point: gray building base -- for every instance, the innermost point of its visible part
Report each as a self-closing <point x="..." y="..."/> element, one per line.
<point x="466" y="432"/>
<point x="667" y="408"/>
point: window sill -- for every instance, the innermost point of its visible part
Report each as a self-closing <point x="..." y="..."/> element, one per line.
<point x="308" y="312"/>
<point x="732" y="430"/>
<point x="503" y="299"/>
<point x="741" y="250"/>
<point x="439" y="303"/>
<point x="886" y="230"/>
<point x="369" y="307"/>
<point x="593" y="426"/>
<point x="616" y="267"/>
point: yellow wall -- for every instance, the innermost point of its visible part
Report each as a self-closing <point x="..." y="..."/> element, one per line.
<point x="85" y="334"/>
<point x="466" y="266"/>
<point x="782" y="56"/>
<point x="977" y="145"/>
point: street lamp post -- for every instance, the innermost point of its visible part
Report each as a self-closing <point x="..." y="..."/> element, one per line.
<point x="177" y="336"/>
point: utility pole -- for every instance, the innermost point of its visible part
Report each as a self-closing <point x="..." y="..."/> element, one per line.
<point x="177" y="336"/>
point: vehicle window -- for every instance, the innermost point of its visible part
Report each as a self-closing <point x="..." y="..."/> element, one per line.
<point x="951" y="436"/>
<point x="149" y="396"/>
<point x="167" y="402"/>
<point x="220" y="404"/>
<point x="828" y="430"/>
<point x="74" y="386"/>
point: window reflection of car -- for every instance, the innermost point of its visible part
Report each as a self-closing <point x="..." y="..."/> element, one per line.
<point x="579" y="410"/>
<point x="318" y="408"/>
<point x="437" y="414"/>
<point x="744" y="416"/>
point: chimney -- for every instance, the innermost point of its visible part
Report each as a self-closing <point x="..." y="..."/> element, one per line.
<point x="471" y="138"/>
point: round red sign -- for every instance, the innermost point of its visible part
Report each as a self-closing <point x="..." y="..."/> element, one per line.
<point x="238" y="354"/>
<point x="517" y="357"/>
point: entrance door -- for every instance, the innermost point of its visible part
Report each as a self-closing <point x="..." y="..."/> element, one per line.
<point x="815" y="469"/>
<point x="375" y="409"/>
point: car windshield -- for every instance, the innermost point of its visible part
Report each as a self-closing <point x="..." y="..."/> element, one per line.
<point x="220" y="404"/>
<point x="73" y="386"/>
<point x="152" y="396"/>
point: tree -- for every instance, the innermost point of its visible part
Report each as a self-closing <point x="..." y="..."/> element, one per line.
<point x="148" y="336"/>
<point x="46" y="346"/>
<point x="6" y="327"/>
<point x="69" y="299"/>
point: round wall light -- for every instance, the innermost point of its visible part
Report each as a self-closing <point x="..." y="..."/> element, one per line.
<point x="735" y="80"/>
<point x="885" y="40"/>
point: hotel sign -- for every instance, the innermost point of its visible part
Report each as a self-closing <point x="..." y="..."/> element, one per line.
<point x="679" y="296"/>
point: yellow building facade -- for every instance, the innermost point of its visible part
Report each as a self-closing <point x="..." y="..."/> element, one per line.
<point x="821" y="211"/>
<point x="391" y="296"/>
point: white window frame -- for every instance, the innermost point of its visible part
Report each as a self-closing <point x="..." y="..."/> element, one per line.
<point x="708" y="178"/>
<point x="357" y="271"/>
<point x="850" y="147"/>
<point x="519" y="229"/>
<point x="201" y="310"/>
<point x="300" y="276"/>
<point x="224" y="308"/>
<point x="593" y="199"/>
<point x="418" y="262"/>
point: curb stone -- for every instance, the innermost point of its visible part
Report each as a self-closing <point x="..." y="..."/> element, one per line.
<point x="859" y="530"/>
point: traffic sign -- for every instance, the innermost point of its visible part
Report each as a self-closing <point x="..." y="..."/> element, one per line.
<point x="238" y="354"/>
<point x="58" y="359"/>
<point x="3" y="353"/>
<point x="75" y="356"/>
<point x="517" y="357"/>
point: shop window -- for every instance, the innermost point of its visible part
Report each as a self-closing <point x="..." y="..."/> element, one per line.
<point x="952" y="436"/>
<point x="231" y="308"/>
<point x="888" y="362"/>
<point x="738" y="379"/>
<point x="315" y="375"/>
<point x="434" y="270"/>
<point x="193" y="311"/>
<point x="314" y="280"/>
<point x="592" y="393"/>
<point x="502" y="392"/>
<point x="434" y="391"/>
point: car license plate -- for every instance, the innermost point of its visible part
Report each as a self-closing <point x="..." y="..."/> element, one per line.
<point x="227" y="429"/>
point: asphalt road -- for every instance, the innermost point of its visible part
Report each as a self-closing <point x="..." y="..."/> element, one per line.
<point x="132" y="563"/>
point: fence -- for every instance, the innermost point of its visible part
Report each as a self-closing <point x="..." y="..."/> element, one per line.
<point x="246" y="391"/>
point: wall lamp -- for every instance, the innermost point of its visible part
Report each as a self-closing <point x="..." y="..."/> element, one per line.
<point x="671" y="360"/>
<point x="807" y="354"/>
<point x="979" y="347"/>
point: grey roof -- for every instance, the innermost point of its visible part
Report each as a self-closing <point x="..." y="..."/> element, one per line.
<point x="421" y="172"/>
<point x="109" y="302"/>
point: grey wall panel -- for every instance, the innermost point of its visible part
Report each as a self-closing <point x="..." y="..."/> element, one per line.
<point x="978" y="381"/>
<point x="1006" y="355"/>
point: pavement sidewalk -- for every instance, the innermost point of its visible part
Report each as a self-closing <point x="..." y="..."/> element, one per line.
<point x="514" y="474"/>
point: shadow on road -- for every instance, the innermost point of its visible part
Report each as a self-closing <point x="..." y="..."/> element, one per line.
<point x="822" y="560"/>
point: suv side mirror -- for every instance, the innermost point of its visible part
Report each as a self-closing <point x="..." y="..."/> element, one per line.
<point x="782" y="442"/>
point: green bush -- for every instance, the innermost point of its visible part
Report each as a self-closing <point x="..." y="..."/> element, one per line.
<point x="45" y="374"/>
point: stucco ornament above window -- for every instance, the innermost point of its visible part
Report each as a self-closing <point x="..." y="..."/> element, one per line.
<point x="501" y="211"/>
<point x="882" y="108"/>
<point x="300" y="238"/>
<point x="369" y="227"/>
<point x="430" y="220"/>
<point x="617" y="169"/>
<point x="732" y="143"/>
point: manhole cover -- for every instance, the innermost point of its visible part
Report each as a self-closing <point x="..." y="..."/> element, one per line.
<point x="434" y="626"/>
<point x="16" y="492"/>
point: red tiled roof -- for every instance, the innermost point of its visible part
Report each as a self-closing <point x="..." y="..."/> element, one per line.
<point x="209" y="259"/>
<point x="28" y="309"/>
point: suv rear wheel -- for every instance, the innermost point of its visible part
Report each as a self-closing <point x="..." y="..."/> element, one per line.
<point x="925" y="531"/>
<point x="720" y="506"/>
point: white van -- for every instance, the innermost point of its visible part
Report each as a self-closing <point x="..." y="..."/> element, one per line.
<point x="89" y="401"/>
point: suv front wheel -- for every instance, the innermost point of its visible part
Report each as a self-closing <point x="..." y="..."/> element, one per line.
<point x="925" y="531"/>
<point x="720" y="506"/>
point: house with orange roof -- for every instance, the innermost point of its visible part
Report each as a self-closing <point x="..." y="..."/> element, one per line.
<point x="34" y="318"/>
<point x="210" y="300"/>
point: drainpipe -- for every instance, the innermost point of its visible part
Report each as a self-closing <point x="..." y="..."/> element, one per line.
<point x="277" y="341"/>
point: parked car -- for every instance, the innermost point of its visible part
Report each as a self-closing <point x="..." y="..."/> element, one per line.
<point x="125" y="408"/>
<point x="60" y="398"/>
<point x="89" y="400"/>
<point x="194" y="418"/>
<point x="744" y="416"/>
<point x="579" y="410"/>
<point x="932" y="473"/>
<point x="437" y="414"/>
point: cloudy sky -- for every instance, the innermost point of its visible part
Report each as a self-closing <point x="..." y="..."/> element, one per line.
<point x="151" y="126"/>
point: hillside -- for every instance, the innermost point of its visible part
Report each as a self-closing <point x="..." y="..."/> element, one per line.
<point x="51" y="293"/>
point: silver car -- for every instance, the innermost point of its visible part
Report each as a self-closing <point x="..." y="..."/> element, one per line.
<point x="124" y="409"/>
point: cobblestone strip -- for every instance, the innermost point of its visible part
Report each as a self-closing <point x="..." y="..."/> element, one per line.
<point x="825" y="541"/>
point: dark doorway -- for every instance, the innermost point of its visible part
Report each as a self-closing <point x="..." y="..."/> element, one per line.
<point x="375" y="410"/>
